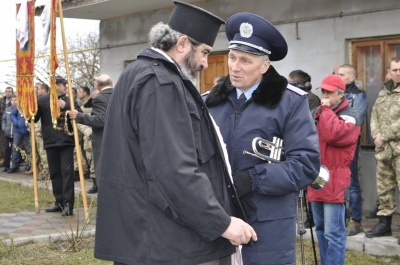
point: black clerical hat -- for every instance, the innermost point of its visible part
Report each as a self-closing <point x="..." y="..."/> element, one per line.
<point x="195" y="22"/>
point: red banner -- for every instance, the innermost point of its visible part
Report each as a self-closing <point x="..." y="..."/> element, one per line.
<point x="26" y="95"/>
<point x="55" y="109"/>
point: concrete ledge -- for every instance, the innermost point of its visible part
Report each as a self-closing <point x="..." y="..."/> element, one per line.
<point x="378" y="246"/>
<point x="356" y="243"/>
<point x="44" y="238"/>
<point x="382" y="246"/>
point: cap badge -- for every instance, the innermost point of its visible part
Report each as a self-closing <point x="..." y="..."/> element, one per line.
<point x="246" y="30"/>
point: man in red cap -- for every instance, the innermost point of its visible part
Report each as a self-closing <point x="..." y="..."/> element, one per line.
<point x="338" y="129"/>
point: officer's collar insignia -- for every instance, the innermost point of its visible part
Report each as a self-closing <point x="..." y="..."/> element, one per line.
<point x="246" y="30"/>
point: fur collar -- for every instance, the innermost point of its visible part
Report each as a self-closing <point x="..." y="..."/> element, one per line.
<point x="268" y="93"/>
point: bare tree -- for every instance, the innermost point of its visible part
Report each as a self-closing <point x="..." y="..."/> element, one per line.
<point x="83" y="58"/>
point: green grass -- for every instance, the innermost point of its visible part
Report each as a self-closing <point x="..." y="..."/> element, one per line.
<point x="16" y="198"/>
<point x="50" y="254"/>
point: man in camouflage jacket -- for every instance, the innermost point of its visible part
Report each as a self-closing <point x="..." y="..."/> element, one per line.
<point x="385" y="129"/>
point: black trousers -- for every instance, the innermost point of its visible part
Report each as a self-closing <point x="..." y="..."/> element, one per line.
<point x="7" y="151"/>
<point x="61" y="167"/>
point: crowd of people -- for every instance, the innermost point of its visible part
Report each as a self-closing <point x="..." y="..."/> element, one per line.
<point x="176" y="168"/>
<point x="174" y="184"/>
<point x="54" y="143"/>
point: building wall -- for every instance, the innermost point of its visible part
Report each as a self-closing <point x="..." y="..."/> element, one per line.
<point x="317" y="42"/>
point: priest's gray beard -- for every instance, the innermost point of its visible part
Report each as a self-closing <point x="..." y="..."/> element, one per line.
<point x="190" y="69"/>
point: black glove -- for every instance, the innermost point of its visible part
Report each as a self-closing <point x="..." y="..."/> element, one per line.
<point x="242" y="182"/>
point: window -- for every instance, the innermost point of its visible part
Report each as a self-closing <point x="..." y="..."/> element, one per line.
<point x="371" y="58"/>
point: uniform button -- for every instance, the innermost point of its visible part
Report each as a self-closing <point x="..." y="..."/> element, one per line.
<point x="155" y="64"/>
<point x="233" y="196"/>
<point x="229" y="186"/>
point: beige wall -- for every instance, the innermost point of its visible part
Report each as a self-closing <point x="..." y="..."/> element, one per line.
<point x="316" y="43"/>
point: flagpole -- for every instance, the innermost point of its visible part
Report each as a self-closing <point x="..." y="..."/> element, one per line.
<point x="71" y="101"/>
<point x="33" y="151"/>
<point x="25" y="70"/>
<point x="33" y="164"/>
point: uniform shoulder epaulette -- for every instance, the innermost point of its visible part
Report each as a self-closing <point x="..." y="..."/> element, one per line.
<point x="296" y="90"/>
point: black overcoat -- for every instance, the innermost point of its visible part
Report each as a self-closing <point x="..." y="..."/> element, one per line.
<point x="164" y="192"/>
<point x="96" y="121"/>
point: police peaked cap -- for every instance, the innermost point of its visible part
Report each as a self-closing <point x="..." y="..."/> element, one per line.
<point x="195" y="22"/>
<point x="253" y="34"/>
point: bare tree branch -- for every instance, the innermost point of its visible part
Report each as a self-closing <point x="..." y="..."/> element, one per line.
<point x="83" y="57"/>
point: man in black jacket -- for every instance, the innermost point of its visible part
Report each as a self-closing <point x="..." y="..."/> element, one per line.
<point x="165" y="195"/>
<point x="96" y="119"/>
<point x="59" y="145"/>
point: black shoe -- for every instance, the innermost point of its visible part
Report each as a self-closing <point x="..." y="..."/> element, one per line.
<point x="67" y="212"/>
<point x="94" y="188"/>
<point x="355" y="229"/>
<point x="372" y="215"/>
<point x="54" y="209"/>
<point x="383" y="228"/>
<point x="5" y="169"/>
<point x="13" y="170"/>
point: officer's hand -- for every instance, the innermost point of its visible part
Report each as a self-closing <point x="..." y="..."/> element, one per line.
<point x="239" y="232"/>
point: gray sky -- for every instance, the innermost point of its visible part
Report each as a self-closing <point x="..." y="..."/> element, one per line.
<point x="8" y="38"/>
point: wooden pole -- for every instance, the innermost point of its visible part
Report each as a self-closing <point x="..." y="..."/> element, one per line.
<point x="33" y="164"/>
<point x="71" y="101"/>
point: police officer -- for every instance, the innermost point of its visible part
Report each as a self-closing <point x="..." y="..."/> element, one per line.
<point x="255" y="101"/>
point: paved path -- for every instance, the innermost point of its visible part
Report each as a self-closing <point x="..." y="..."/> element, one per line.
<point x="29" y="226"/>
<point x="22" y="227"/>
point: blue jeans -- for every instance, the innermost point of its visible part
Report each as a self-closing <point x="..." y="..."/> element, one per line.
<point x="17" y="141"/>
<point x="355" y="200"/>
<point x="331" y="231"/>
